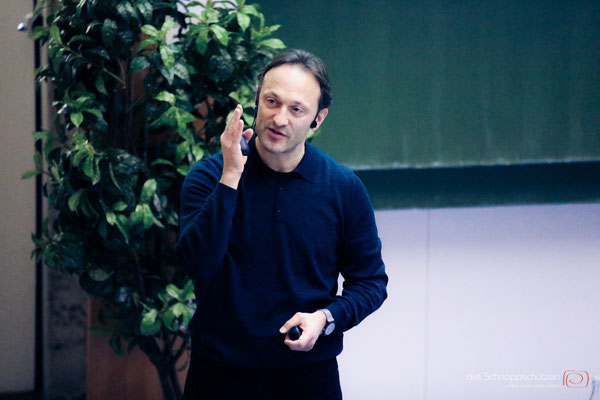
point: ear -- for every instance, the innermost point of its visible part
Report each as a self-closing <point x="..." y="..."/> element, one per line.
<point x="320" y="118"/>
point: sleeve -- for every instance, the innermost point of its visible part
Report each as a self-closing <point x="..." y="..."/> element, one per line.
<point x="365" y="280"/>
<point x="207" y="208"/>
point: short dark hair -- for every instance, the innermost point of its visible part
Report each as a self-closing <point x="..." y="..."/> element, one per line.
<point x="310" y="63"/>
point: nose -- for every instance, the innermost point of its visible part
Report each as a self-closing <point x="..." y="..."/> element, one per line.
<point x="280" y="118"/>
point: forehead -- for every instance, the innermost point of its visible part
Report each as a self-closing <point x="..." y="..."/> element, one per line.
<point x="292" y="83"/>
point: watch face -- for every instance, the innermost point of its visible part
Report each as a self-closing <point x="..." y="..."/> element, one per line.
<point x="329" y="328"/>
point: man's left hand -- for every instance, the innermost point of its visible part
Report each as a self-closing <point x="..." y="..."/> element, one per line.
<point x="312" y="325"/>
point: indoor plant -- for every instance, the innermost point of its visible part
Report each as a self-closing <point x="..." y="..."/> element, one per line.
<point x="141" y="91"/>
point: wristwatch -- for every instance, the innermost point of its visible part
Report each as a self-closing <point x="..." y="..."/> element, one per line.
<point x="330" y="325"/>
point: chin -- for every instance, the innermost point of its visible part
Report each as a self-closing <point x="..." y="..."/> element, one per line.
<point x="269" y="146"/>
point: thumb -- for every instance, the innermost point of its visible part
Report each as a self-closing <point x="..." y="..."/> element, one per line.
<point x="247" y="134"/>
<point x="294" y="321"/>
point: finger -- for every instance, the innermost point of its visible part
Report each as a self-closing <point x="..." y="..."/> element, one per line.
<point x="233" y="122"/>
<point x="248" y="134"/>
<point x="304" y="343"/>
<point x="294" y="321"/>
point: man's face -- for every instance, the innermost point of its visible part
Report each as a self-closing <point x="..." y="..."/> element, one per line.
<point x="288" y="103"/>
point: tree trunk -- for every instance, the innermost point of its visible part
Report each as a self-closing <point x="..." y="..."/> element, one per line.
<point x="169" y="381"/>
<point x="166" y="368"/>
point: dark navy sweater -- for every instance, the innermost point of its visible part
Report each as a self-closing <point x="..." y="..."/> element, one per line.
<point x="274" y="247"/>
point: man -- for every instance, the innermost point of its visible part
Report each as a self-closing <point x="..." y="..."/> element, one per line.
<point x="264" y="238"/>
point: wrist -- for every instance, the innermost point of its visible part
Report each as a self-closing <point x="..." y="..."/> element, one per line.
<point x="231" y="179"/>
<point x="329" y="325"/>
<point x="322" y="319"/>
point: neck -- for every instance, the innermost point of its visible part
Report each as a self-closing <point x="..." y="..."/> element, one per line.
<point x="281" y="162"/>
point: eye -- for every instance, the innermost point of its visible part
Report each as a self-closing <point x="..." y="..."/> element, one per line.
<point x="271" y="101"/>
<point x="297" y="110"/>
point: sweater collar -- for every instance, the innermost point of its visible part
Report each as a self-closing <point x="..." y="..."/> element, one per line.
<point x="306" y="169"/>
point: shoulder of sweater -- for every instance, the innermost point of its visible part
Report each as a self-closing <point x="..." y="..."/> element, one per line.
<point x="208" y="168"/>
<point x="332" y="168"/>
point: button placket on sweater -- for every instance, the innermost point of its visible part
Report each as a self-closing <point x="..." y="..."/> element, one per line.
<point x="278" y="198"/>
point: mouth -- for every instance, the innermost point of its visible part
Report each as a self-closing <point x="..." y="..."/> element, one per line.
<point x="275" y="132"/>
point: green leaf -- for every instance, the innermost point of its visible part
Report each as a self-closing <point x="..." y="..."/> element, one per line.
<point x="161" y="161"/>
<point x="145" y="8"/>
<point x="122" y="225"/>
<point x="39" y="32"/>
<point x="167" y="54"/>
<point x="187" y="314"/>
<point x="30" y="173"/>
<point x="100" y="86"/>
<point x="169" y="320"/>
<point x="79" y="6"/>
<point x="168" y="73"/>
<point x="145" y="43"/>
<point x="111" y="173"/>
<point x="137" y="216"/>
<point x="95" y="112"/>
<point x="148" y="190"/>
<point x="40" y="135"/>
<point x="109" y="31"/>
<point x="147" y="216"/>
<point x="183" y="117"/>
<point x="139" y="63"/>
<point x="98" y="274"/>
<point x="167" y="118"/>
<point x="249" y="9"/>
<point x="243" y="20"/>
<point x="273" y="43"/>
<point x="188" y="291"/>
<point x="210" y="16"/>
<point x="182" y="72"/>
<point x="37" y="160"/>
<point x="156" y="222"/>
<point x="166" y="96"/>
<point x="198" y="153"/>
<point x="220" y="33"/>
<point x="56" y="173"/>
<point x="150" y="31"/>
<point x="150" y="325"/>
<point x="88" y="167"/>
<point x="79" y="38"/>
<point x="167" y="26"/>
<point x="119" y="206"/>
<point x="55" y="33"/>
<point x="81" y="101"/>
<point x="173" y="291"/>
<point x="202" y="39"/>
<point x="178" y="309"/>
<point x="96" y="171"/>
<point x="111" y="218"/>
<point x="79" y="156"/>
<point x="74" y="200"/>
<point x="183" y="169"/>
<point x="181" y="151"/>
<point x="79" y="138"/>
<point x="76" y="118"/>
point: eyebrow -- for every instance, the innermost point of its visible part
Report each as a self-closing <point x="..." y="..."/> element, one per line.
<point x="294" y="103"/>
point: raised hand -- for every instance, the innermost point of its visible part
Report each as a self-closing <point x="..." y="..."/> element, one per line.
<point x="233" y="160"/>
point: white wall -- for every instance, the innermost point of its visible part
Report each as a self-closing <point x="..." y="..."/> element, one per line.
<point x="474" y="292"/>
<point x="17" y="202"/>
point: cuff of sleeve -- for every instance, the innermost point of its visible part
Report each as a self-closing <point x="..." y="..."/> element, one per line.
<point x="339" y="316"/>
<point x="225" y="193"/>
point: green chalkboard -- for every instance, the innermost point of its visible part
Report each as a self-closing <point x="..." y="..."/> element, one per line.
<point x="423" y="84"/>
